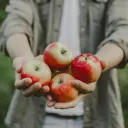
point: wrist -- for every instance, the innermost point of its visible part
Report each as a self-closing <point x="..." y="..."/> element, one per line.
<point x="29" y="56"/>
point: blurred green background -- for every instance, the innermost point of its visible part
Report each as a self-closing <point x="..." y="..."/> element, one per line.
<point x="7" y="80"/>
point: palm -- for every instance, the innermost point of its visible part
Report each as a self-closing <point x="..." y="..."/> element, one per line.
<point x="24" y="84"/>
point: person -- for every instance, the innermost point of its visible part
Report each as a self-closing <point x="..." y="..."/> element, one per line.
<point x="99" y="27"/>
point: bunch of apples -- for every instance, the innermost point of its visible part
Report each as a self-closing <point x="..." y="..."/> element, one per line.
<point x="58" y="62"/>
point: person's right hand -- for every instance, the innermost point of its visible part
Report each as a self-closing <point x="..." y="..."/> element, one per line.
<point x="25" y="84"/>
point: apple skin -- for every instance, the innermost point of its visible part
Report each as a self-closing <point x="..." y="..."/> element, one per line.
<point x="87" y="68"/>
<point x="37" y="71"/>
<point x="57" y="55"/>
<point x="62" y="88"/>
<point x="33" y="78"/>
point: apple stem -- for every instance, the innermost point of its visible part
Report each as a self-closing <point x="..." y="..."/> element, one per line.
<point x="63" y="51"/>
<point x="86" y="58"/>
<point x="37" y="68"/>
<point x="61" y="81"/>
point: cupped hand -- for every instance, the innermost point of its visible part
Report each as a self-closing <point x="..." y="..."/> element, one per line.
<point x="83" y="88"/>
<point x="25" y="84"/>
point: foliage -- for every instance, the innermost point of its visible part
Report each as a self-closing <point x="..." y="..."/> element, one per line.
<point x="3" y="3"/>
<point x="6" y="86"/>
<point x="123" y="82"/>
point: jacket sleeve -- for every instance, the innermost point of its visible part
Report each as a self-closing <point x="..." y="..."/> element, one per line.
<point x="19" y="20"/>
<point x="117" y="27"/>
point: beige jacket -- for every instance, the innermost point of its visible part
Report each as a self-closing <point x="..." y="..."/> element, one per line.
<point x="101" y="22"/>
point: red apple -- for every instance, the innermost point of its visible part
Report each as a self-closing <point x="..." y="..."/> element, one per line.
<point x="37" y="70"/>
<point x="87" y="68"/>
<point x="62" y="89"/>
<point x="57" y="55"/>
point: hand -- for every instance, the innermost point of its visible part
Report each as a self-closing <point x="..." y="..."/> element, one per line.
<point x="84" y="90"/>
<point x="25" y="84"/>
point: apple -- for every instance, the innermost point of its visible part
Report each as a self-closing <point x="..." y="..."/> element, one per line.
<point x="57" y="55"/>
<point x="62" y="89"/>
<point x="87" y="68"/>
<point x="37" y="70"/>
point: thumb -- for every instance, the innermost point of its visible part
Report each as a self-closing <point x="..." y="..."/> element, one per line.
<point x="17" y="64"/>
<point x="40" y="57"/>
<point x="83" y="87"/>
<point x="19" y="61"/>
<point x="104" y="65"/>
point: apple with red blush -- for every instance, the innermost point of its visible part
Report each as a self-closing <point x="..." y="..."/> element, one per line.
<point x="57" y="55"/>
<point x="87" y="68"/>
<point x="37" y="71"/>
<point x="62" y="89"/>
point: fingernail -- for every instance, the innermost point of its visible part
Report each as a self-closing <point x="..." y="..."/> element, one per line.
<point x="48" y="104"/>
<point x="28" y="81"/>
<point x="38" y="86"/>
<point x="45" y="89"/>
<point x="49" y="97"/>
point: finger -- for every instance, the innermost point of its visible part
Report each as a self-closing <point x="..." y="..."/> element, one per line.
<point x="17" y="76"/>
<point x="40" y="57"/>
<point x="32" y="89"/>
<point x="51" y="100"/>
<point x="72" y="104"/>
<point x="81" y="86"/>
<point x="19" y="61"/>
<point x="18" y="68"/>
<point x="51" y="103"/>
<point x="22" y="84"/>
<point x="43" y="91"/>
<point x="80" y="97"/>
<point x="49" y="97"/>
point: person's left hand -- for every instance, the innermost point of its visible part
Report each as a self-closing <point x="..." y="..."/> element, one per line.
<point x="83" y="88"/>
